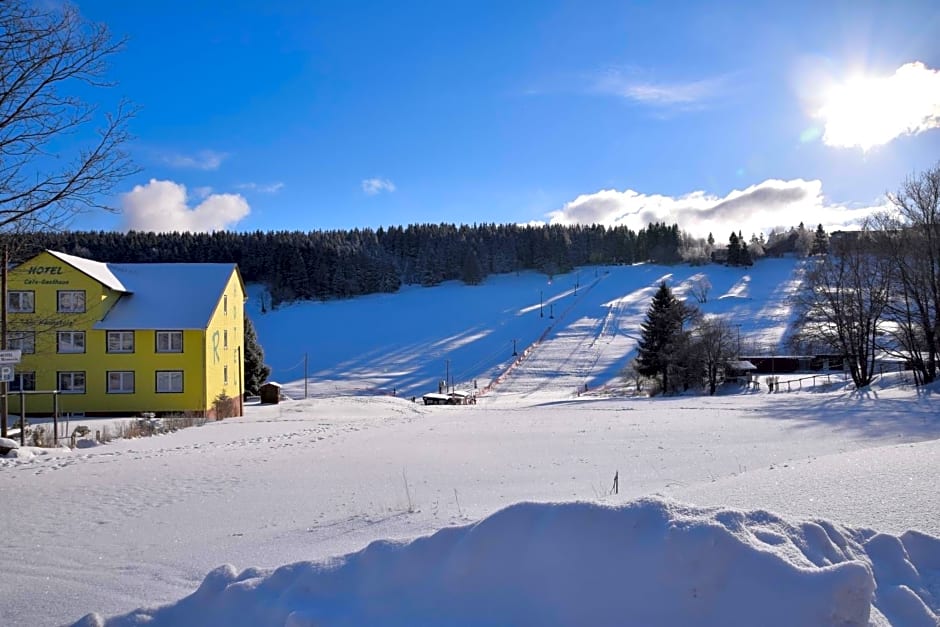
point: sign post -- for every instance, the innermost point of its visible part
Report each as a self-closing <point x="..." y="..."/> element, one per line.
<point x="7" y="360"/>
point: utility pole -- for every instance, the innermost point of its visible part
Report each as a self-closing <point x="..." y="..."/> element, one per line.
<point x="447" y="375"/>
<point x="305" y="375"/>
<point x="514" y="353"/>
<point x="541" y="315"/>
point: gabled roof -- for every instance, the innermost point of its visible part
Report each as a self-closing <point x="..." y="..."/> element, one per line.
<point x="167" y="296"/>
<point x="95" y="269"/>
<point x="161" y="296"/>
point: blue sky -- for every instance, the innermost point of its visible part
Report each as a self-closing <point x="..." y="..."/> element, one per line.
<point x="324" y="115"/>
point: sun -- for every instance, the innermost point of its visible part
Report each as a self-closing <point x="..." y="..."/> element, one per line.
<point x="853" y="114"/>
<point x="867" y="110"/>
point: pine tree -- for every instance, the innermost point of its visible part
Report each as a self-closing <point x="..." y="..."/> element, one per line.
<point x="734" y="250"/>
<point x="256" y="371"/>
<point x="472" y="270"/>
<point x="745" y="258"/>
<point x="820" y="242"/>
<point x="659" y="334"/>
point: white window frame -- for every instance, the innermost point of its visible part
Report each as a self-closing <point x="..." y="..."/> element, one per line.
<point x="64" y="338"/>
<point x="168" y="337"/>
<point x="121" y="379"/>
<point x="165" y="384"/>
<point x="72" y="387"/>
<point x="68" y="305"/>
<point x="18" y="295"/>
<point x="25" y="341"/>
<point x="120" y="339"/>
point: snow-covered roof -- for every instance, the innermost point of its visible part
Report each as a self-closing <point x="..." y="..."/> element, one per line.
<point x="741" y="365"/>
<point x="95" y="269"/>
<point x="166" y="295"/>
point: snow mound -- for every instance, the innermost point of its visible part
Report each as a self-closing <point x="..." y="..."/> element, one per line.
<point x="648" y="562"/>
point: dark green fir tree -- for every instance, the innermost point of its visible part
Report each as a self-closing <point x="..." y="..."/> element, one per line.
<point x="256" y="371"/>
<point x="660" y="335"/>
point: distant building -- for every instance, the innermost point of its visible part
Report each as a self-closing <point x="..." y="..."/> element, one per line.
<point x="122" y="339"/>
<point x="783" y="245"/>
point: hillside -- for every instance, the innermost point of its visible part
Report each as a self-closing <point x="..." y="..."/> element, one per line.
<point x="409" y="341"/>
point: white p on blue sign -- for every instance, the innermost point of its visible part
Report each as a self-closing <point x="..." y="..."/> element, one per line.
<point x="6" y="374"/>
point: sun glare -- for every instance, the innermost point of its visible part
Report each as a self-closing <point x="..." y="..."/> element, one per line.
<point x="868" y="111"/>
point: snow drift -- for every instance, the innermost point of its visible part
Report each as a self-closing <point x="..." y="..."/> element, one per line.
<point x="649" y="562"/>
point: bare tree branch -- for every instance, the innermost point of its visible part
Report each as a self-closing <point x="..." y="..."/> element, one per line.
<point x="47" y="57"/>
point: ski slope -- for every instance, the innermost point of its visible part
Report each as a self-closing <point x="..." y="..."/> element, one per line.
<point x="568" y="331"/>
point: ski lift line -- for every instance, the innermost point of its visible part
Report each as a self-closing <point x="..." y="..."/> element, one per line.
<point x="475" y="367"/>
<point x="295" y="366"/>
<point x="523" y="356"/>
<point x="495" y="355"/>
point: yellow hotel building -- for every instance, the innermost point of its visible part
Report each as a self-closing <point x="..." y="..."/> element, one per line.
<point x="123" y="339"/>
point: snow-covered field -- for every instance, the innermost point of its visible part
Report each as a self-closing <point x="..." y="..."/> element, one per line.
<point x="281" y="494"/>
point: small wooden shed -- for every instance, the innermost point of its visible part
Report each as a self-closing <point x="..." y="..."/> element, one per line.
<point x="740" y="370"/>
<point x="270" y="393"/>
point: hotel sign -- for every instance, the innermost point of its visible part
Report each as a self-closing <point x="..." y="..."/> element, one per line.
<point x="45" y="275"/>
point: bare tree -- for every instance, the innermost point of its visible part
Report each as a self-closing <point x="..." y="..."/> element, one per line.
<point x="699" y="288"/>
<point x="47" y="57"/>
<point x="716" y="344"/>
<point x="631" y="374"/>
<point x="844" y="302"/>
<point x="59" y="155"/>
<point x="913" y="238"/>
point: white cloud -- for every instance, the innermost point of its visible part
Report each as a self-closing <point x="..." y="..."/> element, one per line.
<point x="161" y="206"/>
<point x="868" y="111"/>
<point x="759" y="208"/>
<point x="203" y="160"/>
<point x="687" y="94"/>
<point x="269" y="188"/>
<point x="376" y="186"/>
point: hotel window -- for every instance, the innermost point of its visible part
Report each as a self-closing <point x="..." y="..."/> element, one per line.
<point x="21" y="302"/>
<point x="225" y="304"/>
<point x="71" y="382"/>
<point x="71" y="342"/>
<point x="120" y="382"/>
<point x="71" y="301"/>
<point x="225" y="338"/>
<point x="169" y="341"/>
<point x="25" y="381"/>
<point x="225" y="375"/>
<point x="169" y="381"/>
<point x="25" y="341"/>
<point x="120" y="341"/>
